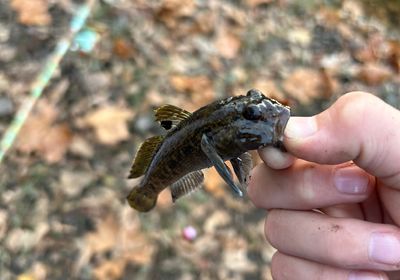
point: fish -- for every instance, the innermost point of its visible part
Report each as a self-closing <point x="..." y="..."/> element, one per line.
<point x="224" y="130"/>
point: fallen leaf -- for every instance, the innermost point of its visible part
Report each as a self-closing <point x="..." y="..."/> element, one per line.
<point x="123" y="48"/>
<point x="269" y="88"/>
<point x="218" y="219"/>
<point x="184" y="83"/>
<point x="214" y="184"/>
<point x="374" y="74"/>
<point x="394" y="55"/>
<point x="3" y="223"/>
<point x="109" y="123"/>
<point x="304" y="85"/>
<point x="164" y="200"/>
<point x="56" y="142"/>
<point x="73" y="182"/>
<point x="79" y="146"/>
<point x="255" y="3"/>
<point x="170" y="11"/>
<point x="199" y="87"/>
<point x="110" y="269"/>
<point x="32" y="12"/>
<point x="41" y="135"/>
<point x="227" y="43"/>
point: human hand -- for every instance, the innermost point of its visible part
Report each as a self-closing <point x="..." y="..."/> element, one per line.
<point x="346" y="164"/>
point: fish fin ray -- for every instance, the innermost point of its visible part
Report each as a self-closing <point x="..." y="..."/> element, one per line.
<point x="242" y="166"/>
<point x="187" y="184"/>
<point x="170" y="115"/>
<point x="222" y="169"/>
<point x="144" y="156"/>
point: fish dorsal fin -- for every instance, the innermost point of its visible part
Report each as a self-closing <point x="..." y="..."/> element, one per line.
<point x="187" y="184"/>
<point x="170" y="115"/>
<point x="144" y="156"/>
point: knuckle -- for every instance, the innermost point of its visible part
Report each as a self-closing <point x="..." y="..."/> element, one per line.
<point x="354" y="106"/>
<point x="271" y="226"/>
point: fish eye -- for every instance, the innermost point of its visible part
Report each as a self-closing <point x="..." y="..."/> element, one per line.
<point x="252" y="112"/>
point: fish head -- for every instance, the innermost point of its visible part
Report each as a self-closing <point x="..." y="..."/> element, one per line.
<point x="255" y="121"/>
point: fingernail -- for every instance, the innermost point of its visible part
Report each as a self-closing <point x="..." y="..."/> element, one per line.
<point x="301" y="127"/>
<point x="350" y="180"/>
<point x="362" y="275"/>
<point x="384" y="248"/>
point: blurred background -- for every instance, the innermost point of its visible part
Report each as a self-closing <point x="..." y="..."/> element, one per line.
<point x="63" y="213"/>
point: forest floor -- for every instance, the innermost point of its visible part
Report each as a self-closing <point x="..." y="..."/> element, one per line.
<point x="63" y="213"/>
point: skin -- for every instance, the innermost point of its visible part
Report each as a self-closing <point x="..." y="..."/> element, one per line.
<point x="334" y="202"/>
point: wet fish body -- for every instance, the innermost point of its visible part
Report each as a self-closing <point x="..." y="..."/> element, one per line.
<point x="223" y="130"/>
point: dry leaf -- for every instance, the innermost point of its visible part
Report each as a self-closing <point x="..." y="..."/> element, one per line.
<point x="255" y="3"/>
<point x="304" y="85"/>
<point x="164" y="200"/>
<point x="171" y="11"/>
<point x="200" y="87"/>
<point x="183" y="83"/>
<point x="374" y="74"/>
<point x="32" y="12"/>
<point x="123" y="48"/>
<point x="394" y="55"/>
<point x="269" y="88"/>
<point x="79" y="146"/>
<point x="109" y="123"/>
<point x="214" y="184"/>
<point x="110" y="269"/>
<point x="227" y="44"/>
<point x="41" y="135"/>
<point x="3" y="223"/>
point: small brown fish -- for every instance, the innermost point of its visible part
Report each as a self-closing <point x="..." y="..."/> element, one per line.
<point x="223" y="130"/>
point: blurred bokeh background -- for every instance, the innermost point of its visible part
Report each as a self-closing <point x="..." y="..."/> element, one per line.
<point x="63" y="213"/>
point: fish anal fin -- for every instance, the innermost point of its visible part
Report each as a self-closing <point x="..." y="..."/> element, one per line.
<point x="187" y="184"/>
<point x="169" y="115"/>
<point x="144" y="156"/>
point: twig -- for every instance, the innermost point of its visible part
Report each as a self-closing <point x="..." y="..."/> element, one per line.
<point x="41" y="81"/>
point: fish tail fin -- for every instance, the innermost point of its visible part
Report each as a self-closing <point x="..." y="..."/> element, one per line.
<point x="141" y="199"/>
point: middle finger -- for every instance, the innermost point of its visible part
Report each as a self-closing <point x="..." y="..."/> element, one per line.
<point x="307" y="185"/>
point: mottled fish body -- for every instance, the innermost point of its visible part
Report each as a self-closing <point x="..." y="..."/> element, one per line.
<point x="223" y="130"/>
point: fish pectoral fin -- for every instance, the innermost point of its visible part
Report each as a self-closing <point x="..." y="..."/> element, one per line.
<point x="242" y="166"/>
<point x="170" y="115"/>
<point x="222" y="169"/>
<point x="144" y="156"/>
<point x="187" y="184"/>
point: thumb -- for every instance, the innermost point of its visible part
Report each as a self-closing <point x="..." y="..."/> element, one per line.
<point x="358" y="127"/>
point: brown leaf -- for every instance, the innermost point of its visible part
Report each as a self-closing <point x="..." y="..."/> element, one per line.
<point x="374" y="74"/>
<point x="227" y="44"/>
<point x="123" y="48"/>
<point x="171" y="11"/>
<point x="41" y="135"/>
<point x="110" y="269"/>
<point x="164" y="200"/>
<point x="255" y="3"/>
<point x="394" y="55"/>
<point x="183" y="83"/>
<point x="109" y="123"/>
<point x="304" y="85"/>
<point x="32" y="12"/>
<point x="269" y="88"/>
<point x="214" y="184"/>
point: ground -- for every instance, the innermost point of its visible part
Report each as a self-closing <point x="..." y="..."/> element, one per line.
<point x="63" y="213"/>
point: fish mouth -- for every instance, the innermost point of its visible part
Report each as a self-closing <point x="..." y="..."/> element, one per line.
<point x="280" y="126"/>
